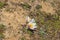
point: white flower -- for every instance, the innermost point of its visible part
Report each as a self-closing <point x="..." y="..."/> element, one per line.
<point x="31" y="23"/>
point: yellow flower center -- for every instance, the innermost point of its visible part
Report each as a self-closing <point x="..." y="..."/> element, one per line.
<point x="31" y="25"/>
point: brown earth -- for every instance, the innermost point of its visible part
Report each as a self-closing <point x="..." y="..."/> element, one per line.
<point x="13" y="16"/>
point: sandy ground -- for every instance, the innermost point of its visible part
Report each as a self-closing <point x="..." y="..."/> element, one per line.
<point x="16" y="15"/>
<point x="13" y="21"/>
